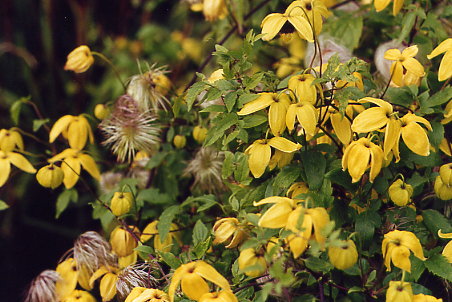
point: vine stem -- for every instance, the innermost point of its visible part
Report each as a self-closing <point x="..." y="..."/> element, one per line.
<point x="222" y="41"/>
<point x="109" y="62"/>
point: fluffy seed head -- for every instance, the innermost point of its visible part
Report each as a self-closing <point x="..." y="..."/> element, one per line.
<point x="42" y="288"/>
<point x="135" y="275"/>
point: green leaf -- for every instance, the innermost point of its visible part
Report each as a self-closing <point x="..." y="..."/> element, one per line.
<point x="37" y="124"/>
<point x="64" y="199"/>
<point x="435" y="221"/>
<point x="318" y="265"/>
<point x="242" y="170"/>
<point x="200" y="233"/>
<point x="251" y="121"/>
<point x="230" y="99"/>
<point x="156" y="160"/>
<point x="193" y="93"/>
<point x="166" y="219"/>
<point x="3" y="205"/>
<point x="407" y="25"/>
<point x="314" y="164"/>
<point x="222" y="123"/>
<point x="439" y="266"/>
<point x="14" y="111"/>
<point x="347" y="29"/>
<point x="286" y="177"/>
<point x="365" y="225"/>
<point x="170" y="259"/>
<point x="145" y="249"/>
<point x="439" y="98"/>
<point x="228" y="165"/>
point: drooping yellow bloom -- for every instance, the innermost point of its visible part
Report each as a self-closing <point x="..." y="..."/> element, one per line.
<point x="79" y="60"/>
<point x="315" y="11"/>
<point x="199" y="134"/>
<point x="302" y="87"/>
<point x="361" y="154"/>
<point x="396" y="247"/>
<point x="10" y="140"/>
<point x="69" y="274"/>
<point x="121" y="202"/>
<point x="122" y="242"/>
<point x="135" y="293"/>
<point x="214" y="9"/>
<point x="229" y="231"/>
<point x="400" y="192"/>
<point x="343" y="256"/>
<point x="179" y="141"/>
<point x="260" y="152"/>
<point x="18" y="160"/>
<point x="162" y="246"/>
<point x="445" y="67"/>
<point x="107" y="285"/>
<point x="399" y="291"/>
<point x="192" y="278"/>
<point x="381" y="5"/>
<point x="79" y="296"/>
<point x="151" y="295"/>
<point x="251" y="258"/>
<point x="50" y="176"/>
<point x="442" y="190"/>
<point x="341" y="124"/>
<point x="101" y="111"/>
<point x="373" y="118"/>
<point x="221" y="296"/>
<point x="75" y="128"/>
<point x="307" y="116"/>
<point x="447" y="251"/>
<point x="72" y="162"/>
<point x="425" y="298"/>
<point x="294" y="14"/>
<point x="297" y="189"/>
<point x="447" y="114"/>
<point x="280" y="159"/>
<point x="404" y="61"/>
<point x="278" y="214"/>
<point x="445" y="171"/>
<point x="277" y="112"/>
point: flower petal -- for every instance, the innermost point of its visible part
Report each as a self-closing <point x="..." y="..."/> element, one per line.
<point x="302" y="26"/>
<point x="271" y="25"/>
<point x="209" y="273"/>
<point x="5" y="167"/>
<point x="263" y="101"/>
<point x="445" y="68"/>
<point x="416" y="139"/>
<point x="283" y="144"/>
<point x="442" y="47"/>
<point x="392" y="54"/>
<point x="413" y="65"/>
<point x="59" y="127"/>
<point x="89" y="165"/>
<point x="20" y="162"/>
<point x="259" y="156"/>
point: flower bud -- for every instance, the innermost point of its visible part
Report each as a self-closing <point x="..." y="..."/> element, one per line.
<point x="122" y="242"/>
<point x="121" y="203"/>
<point x="179" y="141"/>
<point x="229" y="231"/>
<point x="101" y="111"/>
<point x="343" y="256"/>
<point x="250" y="258"/>
<point x="400" y="192"/>
<point x="50" y="176"/>
<point x="442" y="190"/>
<point x="10" y="139"/>
<point x="199" y="134"/>
<point x="446" y="174"/>
<point x="79" y="60"/>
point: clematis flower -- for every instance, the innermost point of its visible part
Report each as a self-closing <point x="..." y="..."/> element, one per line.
<point x="447" y="251"/>
<point x="214" y="9"/>
<point x="303" y="89"/>
<point x="277" y="112"/>
<point x="18" y="160"/>
<point x="121" y="202"/>
<point x="192" y="277"/>
<point x="68" y="281"/>
<point x="341" y="124"/>
<point x="315" y="11"/>
<point x="75" y="128"/>
<point x="396" y="247"/>
<point x="381" y="5"/>
<point x="107" y="285"/>
<point x="280" y="159"/>
<point x="445" y="67"/>
<point x="443" y="191"/>
<point x="343" y="256"/>
<point x="79" y="296"/>
<point x="122" y="242"/>
<point x="252" y="262"/>
<point x="400" y="192"/>
<point x="260" y="152"/>
<point x="399" y="291"/>
<point x="361" y="154"/>
<point x="152" y="295"/>
<point x="161" y="245"/>
<point x="276" y="22"/>
<point x="297" y="189"/>
<point x="425" y="298"/>
<point x="10" y="140"/>
<point x="229" y="231"/>
<point x="73" y="160"/>
<point x="306" y="114"/>
<point x="50" y="176"/>
<point x="276" y="216"/>
<point x="373" y="118"/>
<point x="404" y="61"/>
<point x="79" y="60"/>
<point x="221" y="296"/>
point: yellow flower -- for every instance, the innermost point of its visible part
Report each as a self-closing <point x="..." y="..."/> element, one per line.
<point x="222" y="296"/>
<point x="343" y="256"/>
<point x="277" y="112"/>
<point x="107" y="286"/>
<point x="361" y="154"/>
<point x="399" y="291"/>
<point x="214" y="9"/>
<point x="358" y="83"/>
<point x="69" y="275"/>
<point x="373" y="118"/>
<point x="447" y="114"/>
<point x="280" y="159"/>
<point x="404" y="61"/>
<point x="135" y="293"/>
<point x="447" y="251"/>
<point x="273" y="23"/>
<point x="425" y="298"/>
<point x="152" y="295"/>
<point x="341" y="124"/>
<point x="445" y="67"/>
<point x="306" y="115"/>
<point x="18" y="160"/>
<point x="159" y="245"/>
<point x="199" y="134"/>
<point x="445" y="171"/>
<point x="72" y="161"/>
<point x="287" y="66"/>
<point x="79" y="296"/>
<point x="229" y="231"/>
<point x="442" y="190"/>
<point x="276" y="216"/>
<point x="101" y="111"/>
<point x="11" y="139"/>
<point x="179" y="141"/>
<point x="316" y="11"/>
<point x="252" y="263"/>
<point x="396" y="247"/>
<point x="122" y="242"/>
<point x="381" y="5"/>
<point x="303" y="89"/>
<point x="297" y="189"/>
<point x="75" y="128"/>
<point x="120" y="203"/>
<point x="50" y="176"/>
<point x="260" y="152"/>
<point x="191" y="277"/>
<point x="400" y="192"/>
<point x="79" y="60"/>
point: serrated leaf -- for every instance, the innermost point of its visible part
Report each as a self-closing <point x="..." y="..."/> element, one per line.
<point x="251" y="121"/>
<point x="314" y="164"/>
<point x="3" y="205"/>
<point x="228" y="165"/>
<point x="407" y="25"/>
<point x="435" y="221"/>
<point x="242" y="170"/>
<point x="166" y="219"/>
<point x="224" y="122"/>
<point x="439" y="98"/>
<point x="193" y="93"/>
<point x="286" y="177"/>
<point x="439" y="266"/>
<point x="156" y="160"/>
<point x="200" y="232"/>
<point x="229" y="100"/>
<point x="170" y="259"/>
<point x="64" y="199"/>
